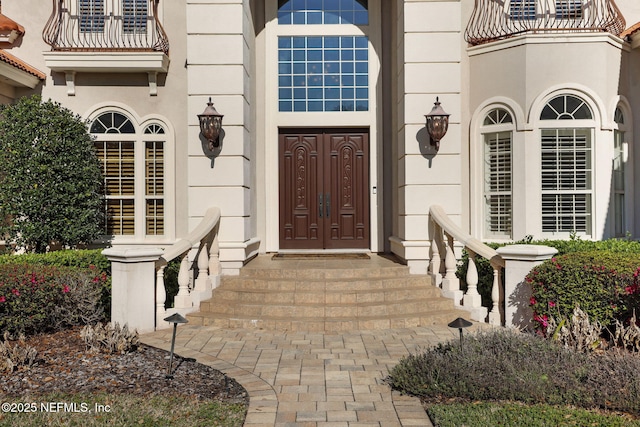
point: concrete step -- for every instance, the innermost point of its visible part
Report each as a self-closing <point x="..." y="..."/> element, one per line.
<point x="328" y="296"/>
<point x="323" y="324"/>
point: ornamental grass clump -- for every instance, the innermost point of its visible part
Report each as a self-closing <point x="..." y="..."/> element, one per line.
<point x="512" y="366"/>
<point x="39" y="298"/>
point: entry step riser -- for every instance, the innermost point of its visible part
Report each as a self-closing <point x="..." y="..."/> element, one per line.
<point x="353" y="297"/>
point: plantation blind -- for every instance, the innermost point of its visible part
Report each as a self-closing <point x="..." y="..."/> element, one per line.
<point x="497" y="184"/>
<point x="566" y="163"/>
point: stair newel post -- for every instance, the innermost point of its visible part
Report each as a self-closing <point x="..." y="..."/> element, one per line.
<point x="434" y="253"/>
<point x="183" y="299"/>
<point x="214" y="261"/>
<point x="494" y="316"/>
<point x="203" y="270"/>
<point x="472" y="298"/>
<point x="161" y="297"/>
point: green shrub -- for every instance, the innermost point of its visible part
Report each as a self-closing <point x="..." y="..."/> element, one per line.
<point x="512" y="366"/>
<point x="39" y="298"/>
<point x="83" y="258"/>
<point x="50" y="176"/>
<point x="485" y="271"/>
<point x="604" y="284"/>
<point x="67" y="258"/>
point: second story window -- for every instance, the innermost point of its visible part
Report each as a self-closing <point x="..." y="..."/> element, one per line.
<point x="569" y="9"/>
<point x="134" y="16"/>
<point x="522" y="9"/>
<point x="91" y="15"/>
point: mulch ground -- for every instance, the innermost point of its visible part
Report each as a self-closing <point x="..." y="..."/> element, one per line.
<point x="65" y="365"/>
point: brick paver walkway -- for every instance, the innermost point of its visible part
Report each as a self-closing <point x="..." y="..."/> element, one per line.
<point x="311" y="379"/>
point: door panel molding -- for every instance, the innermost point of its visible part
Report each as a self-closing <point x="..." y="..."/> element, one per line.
<point x="324" y="189"/>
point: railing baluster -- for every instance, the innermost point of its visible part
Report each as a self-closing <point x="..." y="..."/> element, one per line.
<point x="214" y="262"/>
<point x="495" y="317"/>
<point x="203" y="267"/>
<point x="450" y="260"/>
<point x="434" y="253"/>
<point x="183" y="299"/>
<point x="472" y="299"/>
<point x="161" y="296"/>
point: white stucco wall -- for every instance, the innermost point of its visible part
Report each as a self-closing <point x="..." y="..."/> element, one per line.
<point x="428" y="68"/>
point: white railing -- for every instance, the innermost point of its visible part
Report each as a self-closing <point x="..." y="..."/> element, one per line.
<point x="444" y="234"/>
<point x="206" y="274"/>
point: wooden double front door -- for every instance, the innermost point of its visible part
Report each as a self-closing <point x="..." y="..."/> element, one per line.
<point x="324" y="189"/>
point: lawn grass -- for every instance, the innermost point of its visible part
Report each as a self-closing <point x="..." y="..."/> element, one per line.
<point x="119" y="410"/>
<point x="483" y="414"/>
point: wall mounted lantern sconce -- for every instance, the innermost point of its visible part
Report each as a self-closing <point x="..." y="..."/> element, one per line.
<point x="211" y="126"/>
<point x="437" y="124"/>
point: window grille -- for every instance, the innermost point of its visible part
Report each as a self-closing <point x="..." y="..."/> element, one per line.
<point x="323" y="73"/>
<point x="316" y="12"/>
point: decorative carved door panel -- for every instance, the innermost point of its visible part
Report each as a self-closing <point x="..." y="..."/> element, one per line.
<point x="324" y="182"/>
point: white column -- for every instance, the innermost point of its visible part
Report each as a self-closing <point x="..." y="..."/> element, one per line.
<point x="519" y="260"/>
<point x="133" y="276"/>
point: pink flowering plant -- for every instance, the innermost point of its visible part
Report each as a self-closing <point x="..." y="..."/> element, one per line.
<point x="604" y="284"/>
<point x="39" y="298"/>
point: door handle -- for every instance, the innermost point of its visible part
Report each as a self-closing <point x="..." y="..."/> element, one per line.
<point x="328" y="203"/>
<point x="320" y="205"/>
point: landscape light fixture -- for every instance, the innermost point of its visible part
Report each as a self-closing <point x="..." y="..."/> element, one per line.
<point x="437" y="124"/>
<point x="175" y="319"/>
<point x="211" y="125"/>
<point x="460" y="324"/>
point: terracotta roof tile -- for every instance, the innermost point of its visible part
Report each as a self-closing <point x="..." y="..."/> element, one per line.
<point x="7" y="24"/>
<point x="18" y="63"/>
<point x="631" y="30"/>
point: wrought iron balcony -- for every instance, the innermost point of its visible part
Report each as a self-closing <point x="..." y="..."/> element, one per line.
<point x="499" y="19"/>
<point x="105" y="25"/>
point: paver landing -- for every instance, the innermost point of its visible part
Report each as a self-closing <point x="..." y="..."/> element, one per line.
<point x="311" y="379"/>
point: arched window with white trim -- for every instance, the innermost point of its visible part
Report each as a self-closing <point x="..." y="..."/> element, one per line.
<point x="567" y="166"/>
<point x="618" y="202"/>
<point x="133" y="167"/>
<point x="497" y="135"/>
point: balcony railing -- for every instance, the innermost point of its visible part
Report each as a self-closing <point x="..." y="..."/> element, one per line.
<point x="499" y="19"/>
<point x="105" y="25"/>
